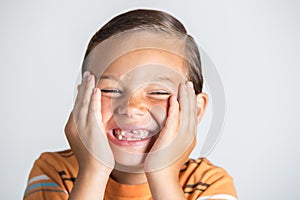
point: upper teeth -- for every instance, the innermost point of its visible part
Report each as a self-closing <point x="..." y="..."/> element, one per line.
<point x="131" y="134"/>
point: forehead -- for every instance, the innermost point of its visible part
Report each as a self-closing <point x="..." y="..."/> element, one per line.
<point x="130" y="49"/>
<point x="148" y="61"/>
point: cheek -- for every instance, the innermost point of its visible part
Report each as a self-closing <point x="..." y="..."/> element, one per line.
<point x="106" y="110"/>
<point x="159" y="112"/>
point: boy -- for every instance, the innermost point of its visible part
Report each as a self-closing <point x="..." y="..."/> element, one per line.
<point x="134" y="120"/>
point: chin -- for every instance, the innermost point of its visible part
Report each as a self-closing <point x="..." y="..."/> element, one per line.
<point x="130" y="145"/>
<point x="128" y="161"/>
<point x="130" y="155"/>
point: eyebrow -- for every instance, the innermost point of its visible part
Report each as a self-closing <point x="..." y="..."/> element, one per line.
<point x="159" y="78"/>
<point x="111" y="77"/>
<point x="165" y="79"/>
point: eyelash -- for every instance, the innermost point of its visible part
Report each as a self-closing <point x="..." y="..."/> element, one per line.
<point x="111" y="91"/>
<point x="159" y="93"/>
<point x="115" y="93"/>
<point x="119" y="91"/>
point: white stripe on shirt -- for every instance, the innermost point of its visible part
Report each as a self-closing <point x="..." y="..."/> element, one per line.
<point x="218" y="196"/>
<point x="38" y="178"/>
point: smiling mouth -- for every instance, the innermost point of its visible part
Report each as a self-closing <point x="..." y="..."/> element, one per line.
<point x="132" y="135"/>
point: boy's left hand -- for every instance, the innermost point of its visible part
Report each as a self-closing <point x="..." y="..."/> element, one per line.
<point x="173" y="146"/>
<point x="178" y="137"/>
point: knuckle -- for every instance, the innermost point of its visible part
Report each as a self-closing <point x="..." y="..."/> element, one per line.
<point x="92" y="109"/>
<point x="81" y="114"/>
<point x="175" y="114"/>
<point x="70" y="130"/>
<point x="84" y="102"/>
<point x="79" y="87"/>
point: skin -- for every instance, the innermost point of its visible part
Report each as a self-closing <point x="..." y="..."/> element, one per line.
<point x="170" y="112"/>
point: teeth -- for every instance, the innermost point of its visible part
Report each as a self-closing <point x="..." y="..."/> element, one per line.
<point x="130" y="135"/>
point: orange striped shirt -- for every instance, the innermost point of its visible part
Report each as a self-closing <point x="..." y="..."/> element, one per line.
<point x="53" y="175"/>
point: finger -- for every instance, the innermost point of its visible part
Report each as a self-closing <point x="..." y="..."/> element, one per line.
<point x="94" y="114"/>
<point x="80" y="86"/>
<point x="85" y="93"/>
<point x="169" y="132"/>
<point x="173" y="115"/>
<point x="184" y="107"/>
<point x="192" y="104"/>
<point x="188" y="107"/>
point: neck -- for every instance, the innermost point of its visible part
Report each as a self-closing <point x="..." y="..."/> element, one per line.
<point x="128" y="178"/>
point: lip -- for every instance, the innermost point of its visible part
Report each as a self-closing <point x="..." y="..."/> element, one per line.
<point x="117" y="142"/>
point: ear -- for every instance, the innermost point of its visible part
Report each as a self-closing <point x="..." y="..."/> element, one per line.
<point x="202" y="101"/>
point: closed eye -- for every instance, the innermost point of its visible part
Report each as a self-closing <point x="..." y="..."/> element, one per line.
<point x="159" y="93"/>
<point x="111" y="91"/>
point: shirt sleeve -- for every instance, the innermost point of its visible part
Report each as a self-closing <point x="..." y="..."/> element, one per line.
<point x="203" y="180"/>
<point x="45" y="182"/>
<point x="220" y="186"/>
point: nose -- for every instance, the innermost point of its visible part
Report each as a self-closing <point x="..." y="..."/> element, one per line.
<point x="134" y="106"/>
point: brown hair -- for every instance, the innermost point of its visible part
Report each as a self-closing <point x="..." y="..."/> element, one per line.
<point x="159" y="20"/>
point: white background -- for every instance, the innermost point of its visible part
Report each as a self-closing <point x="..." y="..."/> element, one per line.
<point x="254" y="44"/>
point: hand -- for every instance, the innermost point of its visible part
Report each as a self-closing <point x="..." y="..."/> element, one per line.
<point x="178" y="137"/>
<point x="173" y="146"/>
<point x="85" y="130"/>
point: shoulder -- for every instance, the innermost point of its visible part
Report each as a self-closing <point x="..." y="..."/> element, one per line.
<point x="52" y="172"/>
<point x="58" y="161"/>
<point x="202" y="168"/>
<point x="201" y="178"/>
<point x="59" y="164"/>
<point x="59" y="158"/>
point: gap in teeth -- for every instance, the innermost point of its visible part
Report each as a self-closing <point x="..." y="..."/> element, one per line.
<point x="130" y="134"/>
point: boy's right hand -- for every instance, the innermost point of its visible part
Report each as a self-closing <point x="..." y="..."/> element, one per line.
<point x="85" y="130"/>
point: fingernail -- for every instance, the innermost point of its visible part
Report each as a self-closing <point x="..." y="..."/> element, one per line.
<point x="90" y="77"/>
<point x="172" y="97"/>
<point x="190" y="84"/>
<point x="95" y="90"/>
<point x="85" y="74"/>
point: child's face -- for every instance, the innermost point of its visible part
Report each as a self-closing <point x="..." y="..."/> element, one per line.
<point x="135" y="92"/>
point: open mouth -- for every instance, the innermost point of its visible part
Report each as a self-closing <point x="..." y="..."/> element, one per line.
<point x="132" y="135"/>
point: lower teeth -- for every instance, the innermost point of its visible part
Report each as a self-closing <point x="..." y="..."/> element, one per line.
<point x="121" y="135"/>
